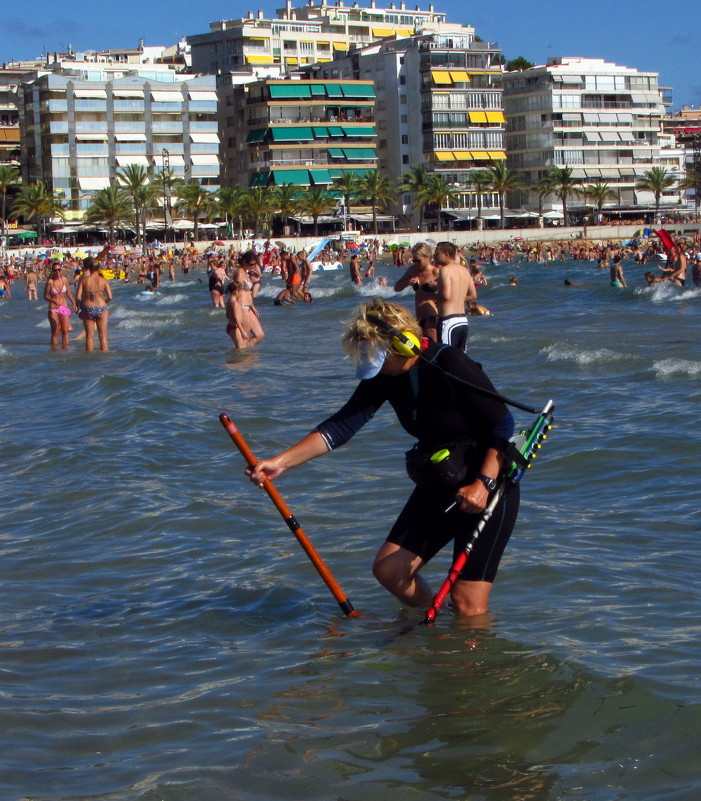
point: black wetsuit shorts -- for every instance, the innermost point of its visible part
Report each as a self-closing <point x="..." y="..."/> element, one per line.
<point x="424" y="528"/>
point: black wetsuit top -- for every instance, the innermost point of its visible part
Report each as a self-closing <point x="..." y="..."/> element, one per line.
<point x="429" y="404"/>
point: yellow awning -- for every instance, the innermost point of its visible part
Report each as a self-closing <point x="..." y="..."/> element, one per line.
<point x="323" y="59"/>
<point x="257" y="39"/>
<point x="479" y="155"/>
<point x="404" y="32"/>
<point x="444" y="155"/>
<point x="292" y="60"/>
<point x="460" y="76"/>
<point x="382" y="32"/>
<point x="325" y="44"/>
<point x="496" y="116"/>
<point x="340" y="46"/>
<point x="478" y="116"/>
<point x="497" y="155"/>
<point x="259" y="59"/>
<point x="463" y="155"/>
<point x="441" y="77"/>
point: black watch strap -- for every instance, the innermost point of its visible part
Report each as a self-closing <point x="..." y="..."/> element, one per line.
<point x="489" y="483"/>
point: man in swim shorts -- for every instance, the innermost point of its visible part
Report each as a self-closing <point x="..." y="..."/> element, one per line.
<point x="455" y="288"/>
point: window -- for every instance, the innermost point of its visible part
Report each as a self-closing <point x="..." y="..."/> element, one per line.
<point x="402" y="100"/>
<point x="405" y="159"/>
<point x="405" y="139"/>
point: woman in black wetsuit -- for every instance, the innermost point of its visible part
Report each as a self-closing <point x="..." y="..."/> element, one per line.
<point x="432" y="403"/>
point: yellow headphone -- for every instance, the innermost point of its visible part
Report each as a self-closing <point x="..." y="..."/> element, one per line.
<point x="405" y="343"/>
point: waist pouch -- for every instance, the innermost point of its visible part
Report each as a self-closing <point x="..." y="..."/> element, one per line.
<point x="443" y="466"/>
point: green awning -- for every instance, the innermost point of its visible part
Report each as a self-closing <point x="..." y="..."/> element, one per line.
<point x="360" y="153"/>
<point x="318" y="90"/>
<point x="359" y="90"/>
<point x="335" y="130"/>
<point x="358" y="171"/>
<point x="299" y="177"/>
<point x="360" y="130"/>
<point x="320" y="176"/>
<point x="292" y="134"/>
<point x="335" y="173"/>
<point x="333" y="90"/>
<point x="321" y="132"/>
<point x="289" y="91"/>
<point x="336" y="153"/>
<point x="256" y="136"/>
<point x="259" y="178"/>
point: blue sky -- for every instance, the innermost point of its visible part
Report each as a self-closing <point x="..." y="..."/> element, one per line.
<point x="651" y="36"/>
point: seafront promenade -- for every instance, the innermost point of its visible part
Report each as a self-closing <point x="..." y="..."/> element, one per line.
<point x="489" y="237"/>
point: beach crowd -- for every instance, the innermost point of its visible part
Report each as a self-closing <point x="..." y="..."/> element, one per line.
<point x="78" y="284"/>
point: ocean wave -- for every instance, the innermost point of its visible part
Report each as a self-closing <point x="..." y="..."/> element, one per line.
<point x="580" y="355"/>
<point x="667" y="367"/>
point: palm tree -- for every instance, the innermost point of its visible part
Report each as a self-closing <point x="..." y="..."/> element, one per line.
<point x="286" y="197"/>
<point x="481" y="181"/>
<point x="136" y="180"/>
<point x="9" y="176"/>
<point x="315" y="202"/>
<point x="503" y="180"/>
<point x="378" y="189"/>
<point x="656" y="180"/>
<point x="348" y="184"/>
<point x="437" y="192"/>
<point x="259" y="205"/>
<point x="230" y="201"/>
<point x="112" y="207"/>
<point x="598" y="194"/>
<point x="542" y="187"/>
<point x="413" y="181"/>
<point x="563" y="185"/>
<point x="36" y="202"/>
<point x="195" y="202"/>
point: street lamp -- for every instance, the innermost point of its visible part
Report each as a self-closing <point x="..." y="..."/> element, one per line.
<point x="166" y="194"/>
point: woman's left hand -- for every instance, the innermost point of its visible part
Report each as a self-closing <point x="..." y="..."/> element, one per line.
<point x="472" y="498"/>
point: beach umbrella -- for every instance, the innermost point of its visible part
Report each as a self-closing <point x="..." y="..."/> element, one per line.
<point x="219" y="243"/>
<point x="80" y="254"/>
<point x="430" y="241"/>
<point x="405" y="244"/>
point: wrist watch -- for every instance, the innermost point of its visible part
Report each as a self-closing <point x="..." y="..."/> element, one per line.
<point x="489" y="483"/>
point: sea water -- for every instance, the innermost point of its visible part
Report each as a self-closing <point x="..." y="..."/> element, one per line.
<point x="164" y="637"/>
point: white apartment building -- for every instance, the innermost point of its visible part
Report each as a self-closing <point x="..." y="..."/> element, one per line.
<point x="601" y="119"/>
<point x="300" y="36"/>
<point x="76" y="134"/>
<point x="439" y="103"/>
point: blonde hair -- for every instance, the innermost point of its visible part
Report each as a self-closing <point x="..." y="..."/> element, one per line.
<point x="363" y="334"/>
<point x="422" y="249"/>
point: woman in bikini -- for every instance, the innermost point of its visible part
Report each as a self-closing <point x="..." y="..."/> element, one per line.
<point x="58" y="293"/>
<point x="94" y="293"/>
<point x="422" y="276"/>
<point x="218" y="279"/>
<point x="250" y="321"/>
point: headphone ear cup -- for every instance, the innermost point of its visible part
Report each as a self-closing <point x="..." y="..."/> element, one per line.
<point x="408" y="345"/>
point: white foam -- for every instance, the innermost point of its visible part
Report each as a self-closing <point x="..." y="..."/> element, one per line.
<point x="666" y="367"/>
<point x="570" y="353"/>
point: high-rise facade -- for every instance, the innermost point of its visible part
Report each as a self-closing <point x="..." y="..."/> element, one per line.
<point x="76" y="134"/>
<point x="299" y="36"/>
<point x="439" y="103"/>
<point x="298" y="132"/>
<point x="602" y="120"/>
